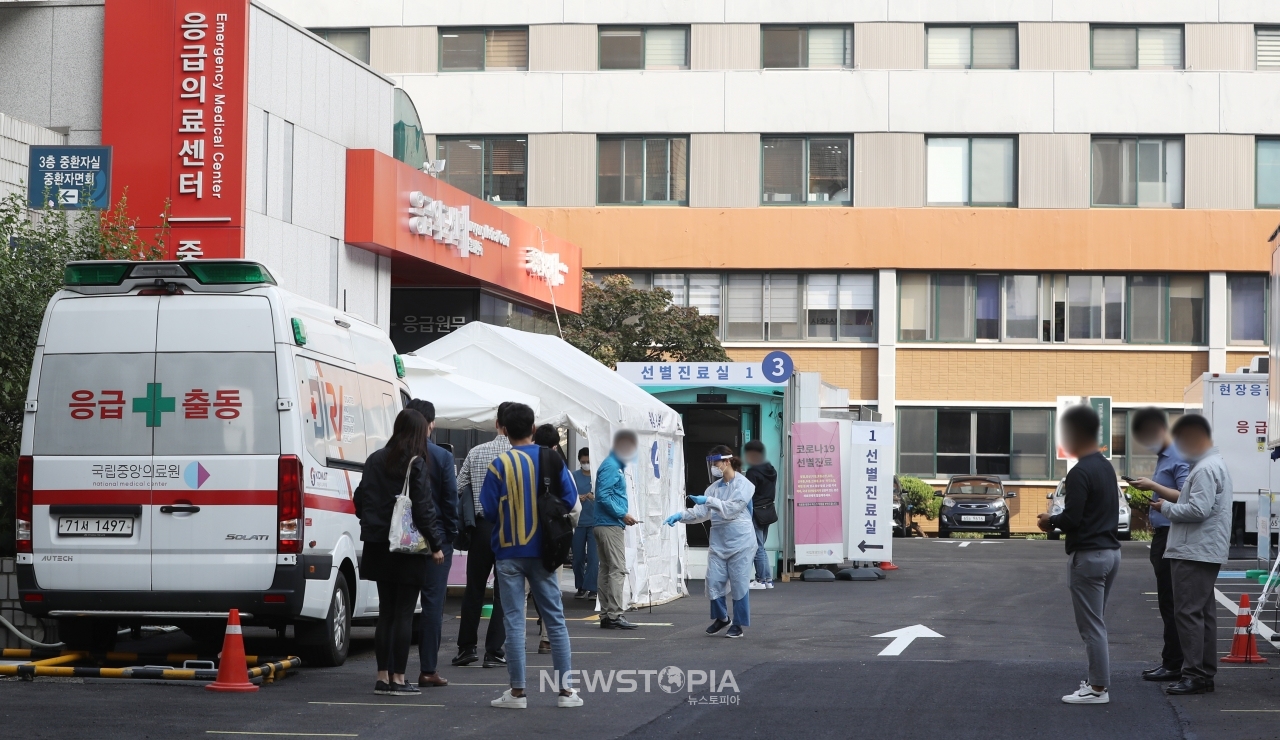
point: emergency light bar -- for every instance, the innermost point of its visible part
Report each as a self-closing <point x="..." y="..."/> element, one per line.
<point x="206" y="272"/>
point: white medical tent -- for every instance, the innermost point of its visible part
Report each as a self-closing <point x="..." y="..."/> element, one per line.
<point x="461" y="402"/>
<point x="577" y="392"/>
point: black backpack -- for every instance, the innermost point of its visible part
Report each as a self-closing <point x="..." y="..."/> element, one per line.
<point x="555" y="525"/>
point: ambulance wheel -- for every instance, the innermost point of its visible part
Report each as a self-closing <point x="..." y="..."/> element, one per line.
<point x="96" y="635"/>
<point x="326" y="642"/>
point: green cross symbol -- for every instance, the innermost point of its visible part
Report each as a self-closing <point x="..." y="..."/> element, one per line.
<point x="153" y="404"/>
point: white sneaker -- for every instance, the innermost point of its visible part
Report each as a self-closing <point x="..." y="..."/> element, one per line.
<point x="756" y="586"/>
<point x="768" y="584"/>
<point x="1086" y="695"/>
<point x="572" y="700"/>
<point x="507" y="701"/>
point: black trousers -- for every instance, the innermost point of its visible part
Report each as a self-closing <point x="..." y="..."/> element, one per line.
<point x="480" y="562"/>
<point x="1171" y="656"/>
<point x="396" y="602"/>
<point x="1196" y="610"/>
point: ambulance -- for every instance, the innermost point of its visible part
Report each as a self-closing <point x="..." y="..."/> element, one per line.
<point x="191" y="441"/>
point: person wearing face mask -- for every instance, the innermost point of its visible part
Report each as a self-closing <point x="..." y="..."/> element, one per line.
<point x="585" y="562"/>
<point x="1151" y="430"/>
<point x="727" y="504"/>
<point x="1199" y="543"/>
<point x="612" y="520"/>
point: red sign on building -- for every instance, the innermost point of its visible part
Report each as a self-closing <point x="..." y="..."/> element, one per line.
<point x="174" y="107"/>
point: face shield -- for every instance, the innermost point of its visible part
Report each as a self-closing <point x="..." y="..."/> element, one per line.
<point x="714" y="473"/>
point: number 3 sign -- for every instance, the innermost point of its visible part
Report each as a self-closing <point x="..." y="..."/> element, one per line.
<point x="777" y="367"/>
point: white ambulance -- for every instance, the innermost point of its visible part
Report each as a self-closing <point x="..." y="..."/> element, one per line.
<point x="192" y="438"/>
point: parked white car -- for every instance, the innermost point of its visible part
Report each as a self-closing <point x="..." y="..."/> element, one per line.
<point x="1055" y="507"/>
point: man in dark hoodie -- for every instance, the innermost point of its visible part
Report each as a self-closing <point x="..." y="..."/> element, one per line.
<point x="764" y="477"/>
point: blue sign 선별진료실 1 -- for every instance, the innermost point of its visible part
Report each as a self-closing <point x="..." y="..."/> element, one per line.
<point x="69" y="177"/>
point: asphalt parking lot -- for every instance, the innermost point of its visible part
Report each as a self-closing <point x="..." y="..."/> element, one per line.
<point x="810" y="665"/>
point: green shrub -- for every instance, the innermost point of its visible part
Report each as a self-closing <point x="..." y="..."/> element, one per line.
<point x="1138" y="499"/>
<point x="919" y="497"/>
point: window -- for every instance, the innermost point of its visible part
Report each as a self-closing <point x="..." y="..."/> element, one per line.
<point x="636" y="171"/>
<point x="813" y="47"/>
<point x="1166" y="309"/>
<point x="1095" y="307"/>
<point x="1133" y="460"/>
<point x="1021" y="313"/>
<point x="937" y="307"/>
<point x="1137" y="172"/>
<point x="1142" y="47"/>
<point x="1247" y="318"/>
<point x="484" y="50"/>
<point x="1186" y="309"/>
<point x="1268" y="48"/>
<point x="973" y="47"/>
<point x="1268" y="173"/>
<point x="781" y="306"/>
<point x="1011" y="443"/>
<point x="971" y="171"/>
<point x="489" y="168"/>
<point x="644" y="48"/>
<point x="811" y="171"/>
<point x="840" y="306"/>
<point x="354" y="41"/>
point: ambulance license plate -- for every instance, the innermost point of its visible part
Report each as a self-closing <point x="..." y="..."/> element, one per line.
<point x="95" y="526"/>
<point x="973" y="518"/>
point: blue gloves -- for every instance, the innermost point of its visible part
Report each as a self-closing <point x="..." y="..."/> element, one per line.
<point x="699" y="499"/>
<point x="671" y="520"/>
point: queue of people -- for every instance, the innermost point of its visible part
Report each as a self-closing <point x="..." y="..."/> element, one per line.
<point x="1191" y="516"/>
<point x="489" y="509"/>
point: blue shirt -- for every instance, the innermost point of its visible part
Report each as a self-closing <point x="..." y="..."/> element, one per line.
<point x="587" y="517"/>
<point x="611" y="493"/>
<point x="1171" y="472"/>
<point x="509" y="499"/>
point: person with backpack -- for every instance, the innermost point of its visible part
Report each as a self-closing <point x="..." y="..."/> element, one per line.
<point x="530" y="499"/>
<point x="764" y="477"/>
<point x="398" y="468"/>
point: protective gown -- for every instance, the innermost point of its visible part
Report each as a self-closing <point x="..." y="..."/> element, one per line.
<point x="732" y="549"/>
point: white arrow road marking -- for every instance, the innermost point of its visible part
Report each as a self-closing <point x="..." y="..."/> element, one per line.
<point x="966" y="543"/>
<point x="904" y="637"/>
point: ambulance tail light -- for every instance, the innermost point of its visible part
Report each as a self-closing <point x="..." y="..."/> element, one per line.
<point x="289" y="505"/>
<point x="25" y="489"/>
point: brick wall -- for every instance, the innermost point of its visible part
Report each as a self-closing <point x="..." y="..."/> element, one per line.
<point x="854" y="368"/>
<point x="1042" y="375"/>
<point x="11" y="609"/>
<point x="1242" y="359"/>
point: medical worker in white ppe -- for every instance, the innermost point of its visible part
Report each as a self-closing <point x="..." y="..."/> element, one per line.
<point x="727" y="503"/>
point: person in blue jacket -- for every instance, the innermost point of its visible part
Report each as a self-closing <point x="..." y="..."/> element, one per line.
<point x="610" y="530"/>
<point x="585" y="562"/>
<point x="727" y="504"/>
<point x="509" y="499"/>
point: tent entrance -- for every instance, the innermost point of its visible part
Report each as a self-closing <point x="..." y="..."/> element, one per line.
<point x="705" y="426"/>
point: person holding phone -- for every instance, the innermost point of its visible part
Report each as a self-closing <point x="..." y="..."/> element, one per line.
<point x="1150" y="428"/>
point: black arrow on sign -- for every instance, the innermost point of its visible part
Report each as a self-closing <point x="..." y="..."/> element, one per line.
<point x="863" y="546"/>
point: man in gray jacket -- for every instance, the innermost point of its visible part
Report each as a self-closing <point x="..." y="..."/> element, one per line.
<point x="1199" y="540"/>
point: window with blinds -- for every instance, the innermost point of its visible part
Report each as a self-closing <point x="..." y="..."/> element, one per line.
<point x="813" y="47"/>
<point x="1137" y="47"/>
<point x="746" y="307"/>
<point x="661" y="47"/>
<point x="636" y="171"/>
<point x="977" y="171"/>
<point x="783" y="292"/>
<point x="1137" y="172"/>
<point x="1268" y="48"/>
<point x="839" y="306"/>
<point x="479" y="50"/>
<point x="490" y="168"/>
<point x="354" y="41"/>
<point x="972" y="47"/>
<point x="1268" y="173"/>
<point x="800" y="170"/>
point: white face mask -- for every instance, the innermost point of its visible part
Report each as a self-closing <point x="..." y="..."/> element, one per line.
<point x="717" y="473"/>
<point x="586" y="467"/>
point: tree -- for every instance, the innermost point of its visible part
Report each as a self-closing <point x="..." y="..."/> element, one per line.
<point x="622" y="323"/>
<point x="919" y="497"/>
<point x="35" y="247"/>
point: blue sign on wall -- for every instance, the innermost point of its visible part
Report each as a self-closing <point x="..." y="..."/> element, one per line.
<point x="69" y="177"/>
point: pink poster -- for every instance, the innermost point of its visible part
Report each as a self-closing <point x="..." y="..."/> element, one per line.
<point x="816" y="481"/>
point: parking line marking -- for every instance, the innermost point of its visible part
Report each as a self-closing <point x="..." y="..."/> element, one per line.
<point x="371" y="704"/>
<point x="1264" y="631"/>
<point x="478" y="684"/>
<point x="1249" y="710"/>
<point x="283" y="734"/>
<point x="600" y="637"/>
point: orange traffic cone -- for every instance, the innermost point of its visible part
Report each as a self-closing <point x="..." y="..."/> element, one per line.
<point x="886" y="565"/>
<point x="1244" y="645"/>
<point x="233" y="675"/>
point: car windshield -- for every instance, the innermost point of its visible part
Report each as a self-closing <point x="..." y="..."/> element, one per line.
<point x="976" y="487"/>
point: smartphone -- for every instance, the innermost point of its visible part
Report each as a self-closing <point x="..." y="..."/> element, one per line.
<point x="1127" y="479"/>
